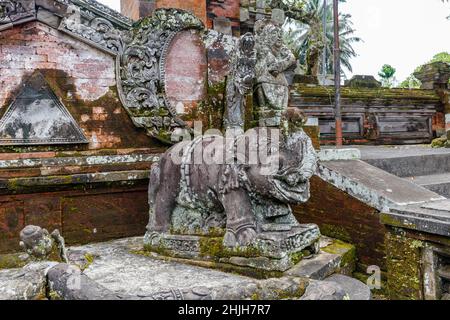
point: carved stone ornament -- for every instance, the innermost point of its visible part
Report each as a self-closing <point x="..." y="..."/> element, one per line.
<point x="141" y="55"/>
<point x="244" y="206"/>
<point x="40" y="245"/>
<point x="12" y="10"/>
<point x="240" y="82"/>
<point x="38" y="117"/>
<point x="140" y="48"/>
<point x="272" y="88"/>
<point x="141" y="71"/>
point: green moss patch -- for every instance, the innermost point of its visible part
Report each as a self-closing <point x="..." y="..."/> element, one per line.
<point x="11" y="261"/>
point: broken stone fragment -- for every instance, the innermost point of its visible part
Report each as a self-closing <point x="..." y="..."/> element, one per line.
<point x="66" y="282"/>
<point x="441" y="142"/>
<point x="39" y="245"/>
<point x="28" y="283"/>
<point x="324" y="290"/>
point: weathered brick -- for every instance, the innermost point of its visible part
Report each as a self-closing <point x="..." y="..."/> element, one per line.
<point x="341" y="216"/>
<point x="81" y="75"/>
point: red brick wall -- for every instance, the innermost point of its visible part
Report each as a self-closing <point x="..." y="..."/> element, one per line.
<point x="346" y="218"/>
<point x="136" y="9"/>
<point x="130" y="8"/>
<point x="81" y="216"/>
<point x="226" y="8"/>
<point x="81" y="75"/>
<point x="186" y="70"/>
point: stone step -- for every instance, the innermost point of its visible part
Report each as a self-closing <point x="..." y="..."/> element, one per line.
<point x="335" y="256"/>
<point x="27" y="283"/>
<point x="408" y="161"/>
<point x="439" y="183"/>
<point x="355" y="289"/>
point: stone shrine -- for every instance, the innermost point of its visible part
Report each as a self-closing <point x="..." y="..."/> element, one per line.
<point x="229" y="209"/>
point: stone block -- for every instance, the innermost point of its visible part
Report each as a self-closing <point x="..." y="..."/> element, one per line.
<point x="28" y="283"/>
<point x="326" y="290"/>
<point x="271" y="251"/>
<point x="355" y="289"/>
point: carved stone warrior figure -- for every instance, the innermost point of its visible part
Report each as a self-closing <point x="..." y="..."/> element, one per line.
<point x="246" y="199"/>
<point x="271" y="85"/>
<point x="240" y="83"/>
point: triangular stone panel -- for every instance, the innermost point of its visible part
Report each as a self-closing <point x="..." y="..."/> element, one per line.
<point x="38" y="117"/>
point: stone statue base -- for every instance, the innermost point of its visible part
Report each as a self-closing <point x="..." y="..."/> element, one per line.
<point x="271" y="251"/>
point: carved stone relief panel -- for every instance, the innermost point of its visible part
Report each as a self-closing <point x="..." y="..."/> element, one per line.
<point x="141" y="49"/>
<point x="142" y="71"/>
<point x="13" y="10"/>
<point x="37" y="117"/>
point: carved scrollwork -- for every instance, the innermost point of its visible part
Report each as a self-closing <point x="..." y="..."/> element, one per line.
<point x="141" y="71"/>
<point x="95" y="29"/>
<point x="13" y="10"/>
<point x="141" y="51"/>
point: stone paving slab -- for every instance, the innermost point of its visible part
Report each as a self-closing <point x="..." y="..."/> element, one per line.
<point x="115" y="267"/>
<point x="355" y="289"/>
<point x="385" y="152"/>
<point x="26" y="283"/>
<point x="374" y="186"/>
<point x="136" y="276"/>
<point x="119" y="270"/>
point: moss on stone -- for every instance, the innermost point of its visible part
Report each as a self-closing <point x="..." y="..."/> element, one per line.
<point x="404" y="266"/>
<point x="336" y="232"/>
<point x="214" y="248"/>
<point x="211" y="109"/>
<point x="347" y="251"/>
<point x="89" y="260"/>
<point x="11" y="261"/>
<point x="53" y="295"/>
<point x="297" y="257"/>
<point x="441" y="142"/>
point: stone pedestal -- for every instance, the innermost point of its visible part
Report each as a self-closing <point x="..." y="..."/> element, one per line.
<point x="271" y="251"/>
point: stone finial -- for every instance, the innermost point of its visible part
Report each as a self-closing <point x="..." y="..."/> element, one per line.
<point x="434" y="75"/>
<point x="363" y="81"/>
<point x="40" y="245"/>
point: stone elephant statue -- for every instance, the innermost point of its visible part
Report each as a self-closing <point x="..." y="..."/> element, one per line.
<point x="213" y="183"/>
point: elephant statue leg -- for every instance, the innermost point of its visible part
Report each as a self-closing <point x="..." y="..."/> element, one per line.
<point x="241" y="222"/>
<point x="162" y="195"/>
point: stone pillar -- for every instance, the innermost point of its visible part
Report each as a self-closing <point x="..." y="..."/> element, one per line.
<point x="435" y="76"/>
<point x="137" y="9"/>
<point x="447" y="113"/>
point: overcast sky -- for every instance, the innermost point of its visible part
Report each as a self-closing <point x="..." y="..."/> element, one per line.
<point x="403" y="33"/>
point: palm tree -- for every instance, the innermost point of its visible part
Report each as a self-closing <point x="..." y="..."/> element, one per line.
<point x="306" y="38"/>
